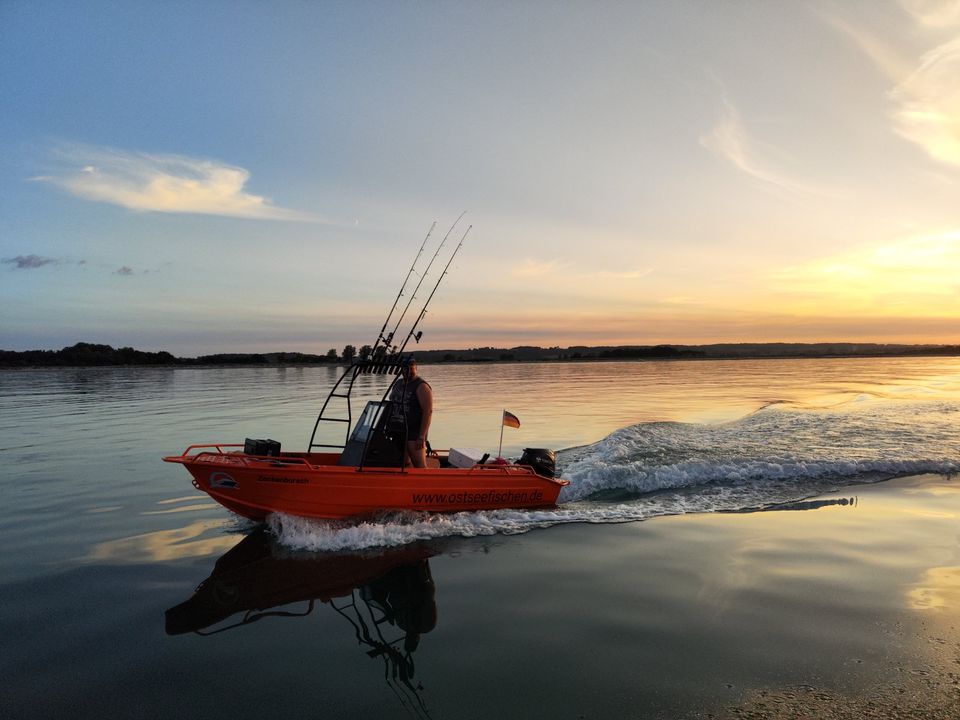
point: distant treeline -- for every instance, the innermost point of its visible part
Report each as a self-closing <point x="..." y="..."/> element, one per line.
<point x="679" y="352"/>
<point x="280" y="358"/>
<point x="84" y="354"/>
<point x="531" y="353"/>
<point x="90" y="354"/>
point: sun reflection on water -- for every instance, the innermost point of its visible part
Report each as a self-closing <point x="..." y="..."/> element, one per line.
<point x="198" y="539"/>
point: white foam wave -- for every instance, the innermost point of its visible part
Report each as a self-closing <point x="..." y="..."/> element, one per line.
<point x="591" y="477"/>
<point x="403" y="528"/>
<point x="394" y="529"/>
<point x="773" y="444"/>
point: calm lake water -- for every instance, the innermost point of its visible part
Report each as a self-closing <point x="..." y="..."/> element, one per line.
<point x="587" y="616"/>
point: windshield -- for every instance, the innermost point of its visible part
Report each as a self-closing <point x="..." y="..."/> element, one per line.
<point x="368" y="420"/>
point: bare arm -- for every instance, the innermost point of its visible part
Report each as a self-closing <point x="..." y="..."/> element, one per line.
<point x="425" y="396"/>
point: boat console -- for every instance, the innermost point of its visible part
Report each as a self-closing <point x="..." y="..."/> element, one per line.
<point x="377" y="438"/>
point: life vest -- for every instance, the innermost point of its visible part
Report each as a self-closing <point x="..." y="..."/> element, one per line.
<point x="405" y="393"/>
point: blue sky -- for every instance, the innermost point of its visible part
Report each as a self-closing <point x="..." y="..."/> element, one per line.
<point x="211" y="176"/>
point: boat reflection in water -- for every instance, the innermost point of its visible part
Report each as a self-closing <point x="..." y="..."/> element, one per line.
<point x="388" y="595"/>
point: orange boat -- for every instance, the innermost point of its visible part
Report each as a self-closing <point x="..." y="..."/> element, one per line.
<point x="368" y="475"/>
<point x="314" y="485"/>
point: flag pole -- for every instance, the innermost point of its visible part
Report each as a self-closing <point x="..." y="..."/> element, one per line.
<point x="500" y="449"/>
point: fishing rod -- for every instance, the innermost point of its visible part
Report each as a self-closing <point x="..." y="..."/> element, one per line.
<point x="423" y="312"/>
<point x="389" y="338"/>
<point x="402" y="288"/>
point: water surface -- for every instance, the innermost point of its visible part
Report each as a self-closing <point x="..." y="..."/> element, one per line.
<point x="569" y="611"/>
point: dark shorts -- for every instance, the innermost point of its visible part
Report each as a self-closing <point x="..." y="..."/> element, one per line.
<point x="413" y="427"/>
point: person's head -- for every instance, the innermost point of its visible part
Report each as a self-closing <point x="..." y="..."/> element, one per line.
<point x="410" y="370"/>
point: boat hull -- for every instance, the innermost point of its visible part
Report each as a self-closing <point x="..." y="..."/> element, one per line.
<point x="311" y="485"/>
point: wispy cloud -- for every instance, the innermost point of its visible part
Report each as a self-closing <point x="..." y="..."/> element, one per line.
<point x="29" y="262"/>
<point x="622" y="274"/>
<point x="682" y="300"/>
<point x="891" y="62"/>
<point x="928" y="104"/>
<point x="534" y="268"/>
<point x="933" y="13"/>
<point x="574" y="275"/>
<point x="925" y="96"/>
<point x="164" y="183"/>
<point x="729" y="140"/>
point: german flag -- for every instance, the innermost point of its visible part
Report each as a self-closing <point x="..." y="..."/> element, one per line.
<point x="510" y="420"/>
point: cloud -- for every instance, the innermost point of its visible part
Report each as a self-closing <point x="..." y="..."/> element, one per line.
<point x="928" y="104"/>
<point x="933" y="13"/>
<point x="910" y="276"/>
<point x="892" y="63"/>
<point x="164" y="183"/>
<point x="29" y="262"/>
<point x="925" y="97"/>
<point x="532" y="268"/>
<point x="683" y="300"/>
<point x="729" y="141"/>
<point x="623" y="274"/>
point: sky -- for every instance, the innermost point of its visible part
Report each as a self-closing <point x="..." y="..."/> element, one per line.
<point x="204" y="177"/>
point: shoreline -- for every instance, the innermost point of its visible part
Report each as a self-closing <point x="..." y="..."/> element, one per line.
<point x="594" y="360"/>
<point x="85" y="354"/>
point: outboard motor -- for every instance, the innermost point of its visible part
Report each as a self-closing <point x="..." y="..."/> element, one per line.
<point x="543" y="461"/>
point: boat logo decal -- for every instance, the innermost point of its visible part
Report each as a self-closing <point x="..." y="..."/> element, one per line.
<point x="222" y="480"/>
<point x="283" y="479"/>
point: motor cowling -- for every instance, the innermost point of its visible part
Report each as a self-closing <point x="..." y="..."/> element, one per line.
<point x="542" y="460"/>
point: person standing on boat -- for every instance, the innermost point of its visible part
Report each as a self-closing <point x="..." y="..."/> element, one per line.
<point x="416" y="397"/>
